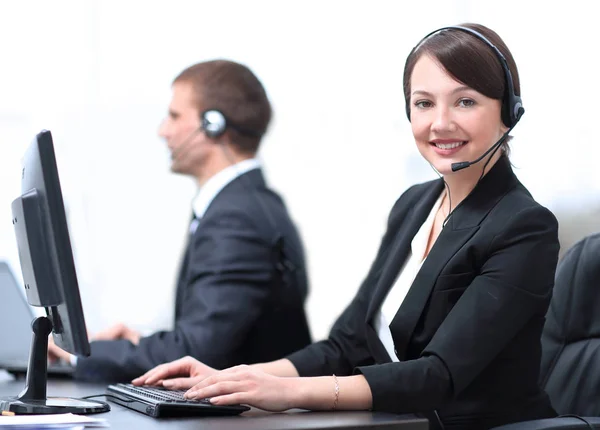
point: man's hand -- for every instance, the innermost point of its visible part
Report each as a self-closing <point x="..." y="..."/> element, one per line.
<point x="118" y="331"/>
<point x="55" y="353"/>
<point x="177" y="375"/>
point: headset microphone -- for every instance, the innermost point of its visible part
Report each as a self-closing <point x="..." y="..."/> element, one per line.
<point x="464" y="164"/>
<point x="185" y="144"/>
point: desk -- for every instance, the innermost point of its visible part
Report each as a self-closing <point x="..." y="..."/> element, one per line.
<point x="255" y="419"/>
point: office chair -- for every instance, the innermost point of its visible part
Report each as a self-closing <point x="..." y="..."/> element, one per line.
<point x="570" y="370"/>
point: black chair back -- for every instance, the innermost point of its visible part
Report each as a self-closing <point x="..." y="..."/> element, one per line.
<point x="570" y="370"/>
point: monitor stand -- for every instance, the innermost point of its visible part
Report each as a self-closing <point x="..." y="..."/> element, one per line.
<point x="32" y="399"/>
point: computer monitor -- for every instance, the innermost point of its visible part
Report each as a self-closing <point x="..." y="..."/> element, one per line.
<point x="50" y="280"/>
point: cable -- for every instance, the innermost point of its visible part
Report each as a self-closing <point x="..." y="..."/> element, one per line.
<point x="589" y="425"/>
<point x="449" y="196"/>
<point x="488" y="161"/>
<point x="439" y="420"/>
<point x="473" y="189"/>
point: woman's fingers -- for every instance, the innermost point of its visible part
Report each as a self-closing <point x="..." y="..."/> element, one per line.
<point x="180" y="383"/>
<point x="214" y="390"/>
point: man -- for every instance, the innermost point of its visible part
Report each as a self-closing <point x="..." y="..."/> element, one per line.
<point x="242" y="284"/>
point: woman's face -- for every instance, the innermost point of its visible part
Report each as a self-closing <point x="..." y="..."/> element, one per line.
<point x="450" y="121"/>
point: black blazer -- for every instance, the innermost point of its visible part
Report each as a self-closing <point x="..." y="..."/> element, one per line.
<point x="468" y="332"/>
<point x="240" y="293"/>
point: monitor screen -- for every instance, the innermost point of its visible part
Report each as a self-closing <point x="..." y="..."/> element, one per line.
<point x="49" y="279"/>
<point x="44" y="247"/>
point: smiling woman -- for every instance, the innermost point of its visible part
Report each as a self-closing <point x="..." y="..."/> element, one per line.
<point x="451" y="122"/>
<point x="448" y="320"/>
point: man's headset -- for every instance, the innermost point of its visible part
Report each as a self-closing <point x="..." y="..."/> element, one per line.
<point x="214" y="123"/>
<point x="512" y="105"/>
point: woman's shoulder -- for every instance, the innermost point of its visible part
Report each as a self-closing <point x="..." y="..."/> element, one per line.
<point x="414" y="194"/>
<point x="519" y="205"/>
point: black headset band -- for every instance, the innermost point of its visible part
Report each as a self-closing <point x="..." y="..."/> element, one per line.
<point x="511" y="102"/>
<point x="220" y="123"/>
<point x="244" y="131"/>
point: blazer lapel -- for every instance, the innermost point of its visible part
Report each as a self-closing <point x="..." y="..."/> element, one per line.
<point x="447" y="244"/>
<point x="401" y="248"/>
<point x="461" y="226"/>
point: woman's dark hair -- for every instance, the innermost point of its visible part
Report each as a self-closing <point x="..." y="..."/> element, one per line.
<point x="467" y="59"/>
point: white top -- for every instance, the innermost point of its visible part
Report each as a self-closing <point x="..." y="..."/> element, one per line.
<point x="407" y="275"/>
<point x="215" y="184"/>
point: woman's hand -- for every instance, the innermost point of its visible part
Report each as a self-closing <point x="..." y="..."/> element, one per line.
<point x="247" y="385"/>
<point x="177" y="375"/>
<point x="251" y="386"/>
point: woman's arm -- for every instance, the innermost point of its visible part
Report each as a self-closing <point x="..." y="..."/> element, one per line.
<point x="282" y="368"/>
<point x="332" y="392"/>
<point x="251" y="386"/>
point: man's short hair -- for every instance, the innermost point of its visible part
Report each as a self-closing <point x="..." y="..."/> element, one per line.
<point x="234" y="90"/>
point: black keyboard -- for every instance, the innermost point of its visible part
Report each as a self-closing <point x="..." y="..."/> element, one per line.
<point x="160" y="402"/>
<point x="159" y="394"/>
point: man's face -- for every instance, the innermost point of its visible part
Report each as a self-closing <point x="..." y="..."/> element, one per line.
<point x="181" y="130"/>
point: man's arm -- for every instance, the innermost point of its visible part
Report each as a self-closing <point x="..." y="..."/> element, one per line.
<point x="228" y="287"/>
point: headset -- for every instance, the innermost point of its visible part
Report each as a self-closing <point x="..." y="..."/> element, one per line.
<point x="512" y="105"/>
<point x="214" y="123"/>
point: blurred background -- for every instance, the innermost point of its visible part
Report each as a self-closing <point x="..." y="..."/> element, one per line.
<point x="340" y="150"/>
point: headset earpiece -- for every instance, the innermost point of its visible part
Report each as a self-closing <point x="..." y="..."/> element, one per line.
<point x="512" y="110"/>
<point x="213" y="122"/>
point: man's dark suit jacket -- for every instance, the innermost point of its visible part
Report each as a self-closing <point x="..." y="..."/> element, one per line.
<point x="468" y="332"/>
<point x="240" y="296"/>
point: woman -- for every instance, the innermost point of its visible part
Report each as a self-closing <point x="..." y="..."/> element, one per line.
<point x="449" y="318"/>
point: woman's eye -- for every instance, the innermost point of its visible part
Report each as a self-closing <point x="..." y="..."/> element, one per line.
<point x="423" y="104"/>
<point x="466" y="103"/>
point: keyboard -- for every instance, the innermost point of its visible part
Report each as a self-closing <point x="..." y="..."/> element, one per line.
<point x="159" y="402"/>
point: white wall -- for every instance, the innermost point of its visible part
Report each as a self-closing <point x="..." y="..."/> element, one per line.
<point x="98" y="74"/>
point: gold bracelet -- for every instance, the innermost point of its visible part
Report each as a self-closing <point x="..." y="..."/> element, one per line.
<point x="337" y="393"/>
